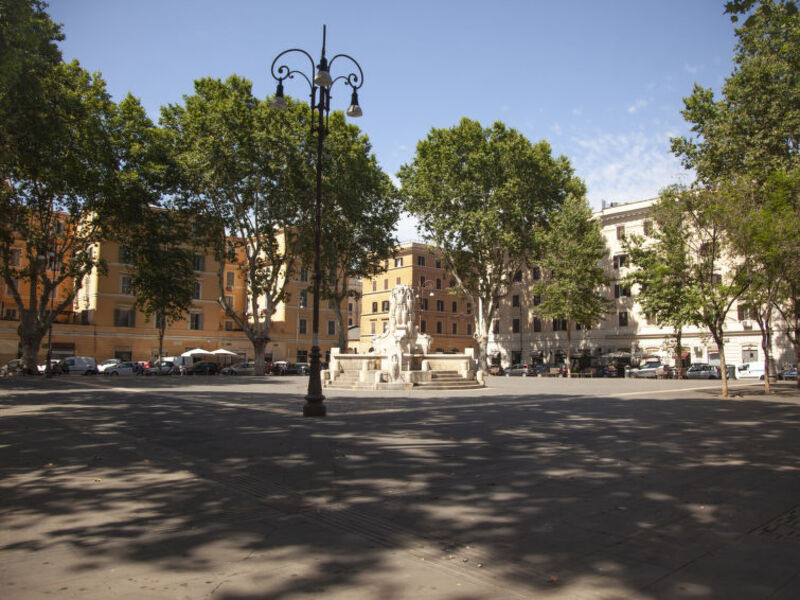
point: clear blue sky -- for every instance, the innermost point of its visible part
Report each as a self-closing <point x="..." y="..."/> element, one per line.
<point x="602" y="81"/>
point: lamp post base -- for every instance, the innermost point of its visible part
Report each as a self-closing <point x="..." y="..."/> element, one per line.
<point x="314" y="407"/>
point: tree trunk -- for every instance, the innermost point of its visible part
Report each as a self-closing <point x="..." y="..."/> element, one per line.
<point x="723" y="366"/>
<point x="568" y="359"/>
<point x="30" y="338"/>
<point x="342" y="329"/>
<point x="482" y="324"/>
<point x="679" y="352"/>
<point x="766" y="346"/>
<point x="259" y="345"/>
<point x="162" y="325"/>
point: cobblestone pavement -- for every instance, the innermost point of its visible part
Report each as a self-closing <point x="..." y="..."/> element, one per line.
<point x="531" y="488"/>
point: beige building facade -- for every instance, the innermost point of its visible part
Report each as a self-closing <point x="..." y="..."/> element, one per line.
<point x="625" y="332"/>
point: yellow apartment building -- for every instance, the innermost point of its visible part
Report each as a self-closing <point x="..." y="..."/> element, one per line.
<point x="104" y="322"/>
<point x="446" y="317"/>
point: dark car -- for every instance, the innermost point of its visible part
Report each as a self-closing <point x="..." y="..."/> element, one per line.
<point x="304" y="368"/>
<point x="164" y="367"/>
<point x="203" y="368"/>
<point x="281" y="367"/>
<point x="521" y="370"/>
<point x="789" y="374"/>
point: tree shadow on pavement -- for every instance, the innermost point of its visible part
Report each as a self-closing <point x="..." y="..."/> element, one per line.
<point x="511" y="496"/>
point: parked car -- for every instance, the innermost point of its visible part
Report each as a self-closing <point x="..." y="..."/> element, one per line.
<point x="161" y="367"/>
<point x="281" y="367"/>
<point x="496" y="370"/>
<point x="53" y="366"/>
<point x="304" y="368"/>
<point x="650" y="370"/>
<point x="242" y="368"/>
<point x="203" y="368"/>
<point x="521" y="370"/>
<point x="78" y="365"/>
<point x="789" y="374"/>
<point x="751" y="371"/>
<point x="101" y="368"/>
<point x="123" y="368"/>
<point x="13" y="367"/>
<point x="701" y="371"/>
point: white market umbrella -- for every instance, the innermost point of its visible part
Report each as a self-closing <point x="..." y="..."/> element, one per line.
<point x="195" y="351"/>
<point x="224" y="352"/>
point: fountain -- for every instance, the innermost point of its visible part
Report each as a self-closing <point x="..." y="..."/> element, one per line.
<point x="400" y="357"/>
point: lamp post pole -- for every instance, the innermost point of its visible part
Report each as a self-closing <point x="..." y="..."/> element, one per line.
<point x="319" y="81"/>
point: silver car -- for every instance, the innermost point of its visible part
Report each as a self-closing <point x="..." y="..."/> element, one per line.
<point x="698" y="371"/>
<point x="123" y="368"/>
<point x="650" y="370"/>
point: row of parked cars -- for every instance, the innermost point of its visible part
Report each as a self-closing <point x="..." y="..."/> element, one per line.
<point x="648" y="370"/>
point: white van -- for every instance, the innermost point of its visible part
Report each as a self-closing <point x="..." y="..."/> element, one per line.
<point x="78" y="365"/>
<point x="751" y="371"/>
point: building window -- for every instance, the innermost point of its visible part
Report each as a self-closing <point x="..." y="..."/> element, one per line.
<point x="422" y="280"/>
<point x="469" y="308"/>
<point x="385" y="306"/>
<point x="385" y="325"/>
<point x="372" y="327"/>
<point x="620" y="291"/>
<point x="716" y="279"/>
<point x="374" y="285"/>
<point x="423" y="304"/>
<point x="196" y="321"/>
<point x="398" y="262"/>
<point x="303" y="274"/>
<point x="196" y="291"/>
<point x="302" y="327"/>
<point x="124" y="317"/>
<point x="125" y="255"/>
<point x="515" y="325"/>
<point x="438" y="264"/>
<point x="386" y="284"/>
<point x="455" y="328"/>
<point x="229" y="301"/>
<point x="230" y="278"/>
<point x="349" y="322"/>
<point x="537" y="324"/>
<point x="229" y="325"/>
<point x="423" y="326"/>
<point x="620" y="232"/>
<point x="536" y="273"/>
<point x="349" y="307"/>
<point x="374" y="307"/>
<point x="331" y="327"/>
<point x="517" y="276"/>
<point x="302" y="355"/>
<point x="455" y="306"/>
<point x="746" y="313"/>
<point x="620" y="260"/>
<point x="421" y="261"/>
<point x="302" y="299"/>
<point x="469" y="328"/>
<point x="10" y="314"/>
<point x="440" y="305"/>
<point x="16" y="257"/>
<point x="125" y="286"/>
<point x="623" y="318"/>
<point x="496" y="326"/>
<point x="648" y="227"/>
<point x="438" y="327"/>
<point x="515" y="300"/>
<point x="398" y="281"/>
<point x="199" y="262"/>
<point x="559" y="324"/>
<point x="438" y="284"/>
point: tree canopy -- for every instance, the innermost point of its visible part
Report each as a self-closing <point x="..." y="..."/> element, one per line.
<point x="484" y="195"/>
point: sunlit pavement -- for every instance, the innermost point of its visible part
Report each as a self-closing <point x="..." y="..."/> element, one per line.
<point x="214" y="487"/>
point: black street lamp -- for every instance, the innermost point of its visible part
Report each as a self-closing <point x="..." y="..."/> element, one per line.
<point x="321" y="80"/>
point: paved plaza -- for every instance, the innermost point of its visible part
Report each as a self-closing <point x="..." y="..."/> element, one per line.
<point x="217" y="488"/>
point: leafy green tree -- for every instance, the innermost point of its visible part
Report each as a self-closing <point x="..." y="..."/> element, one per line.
<point x="61" y="180"/>
<point x="361" y="209"/>
<point x="245" y="173"/>
<point x="662" y="271"/>
<point x="750" y="138"/>
<point x="484" y="195"/>
<point x="718" y="277"/>
<point x="572" y="274"/>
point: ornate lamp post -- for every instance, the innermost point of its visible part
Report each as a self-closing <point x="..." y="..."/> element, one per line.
<point x="320" y="83"/>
